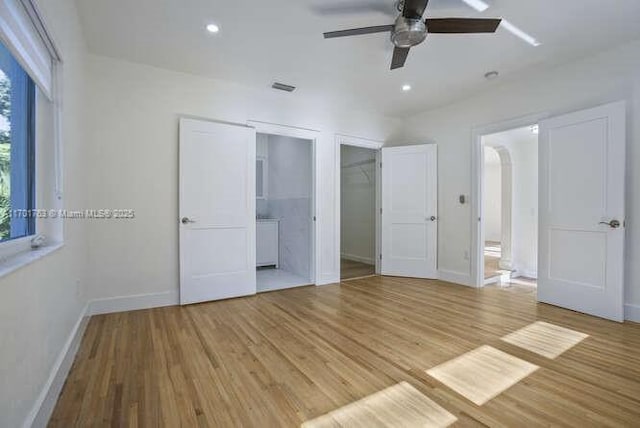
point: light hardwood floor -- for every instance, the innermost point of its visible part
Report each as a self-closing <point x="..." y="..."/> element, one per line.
<point x="282" y="358"/>
<point x="350" y="269"/>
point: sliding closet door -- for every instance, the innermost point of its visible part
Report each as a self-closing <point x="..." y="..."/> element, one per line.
<point x="217" y="211"/>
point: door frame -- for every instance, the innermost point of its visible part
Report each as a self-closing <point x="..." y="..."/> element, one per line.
<point x="477" y="187"/>
<point x="314" y="137"/>
<point x="364" y="143"/>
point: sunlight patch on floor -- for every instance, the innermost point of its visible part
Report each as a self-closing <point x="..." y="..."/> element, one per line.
<point x="545" y="339"/>
<point x="398" y="406"/>
<point x="482" y="374"/>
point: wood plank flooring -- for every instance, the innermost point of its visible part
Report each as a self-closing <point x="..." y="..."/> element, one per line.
<point x="283" y="358"/>
<point x="350" y="269"/>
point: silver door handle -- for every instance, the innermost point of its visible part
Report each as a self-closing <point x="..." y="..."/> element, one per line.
<point x="614" y="224"/>
<point x="433" y="218"/>
<point x="187" y="220"/>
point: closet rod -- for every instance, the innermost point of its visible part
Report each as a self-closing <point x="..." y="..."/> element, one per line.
<point x="364" y="162"/>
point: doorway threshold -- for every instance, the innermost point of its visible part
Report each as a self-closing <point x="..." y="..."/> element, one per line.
<point x="278" y="279"/>
<point x="358" y="277"/>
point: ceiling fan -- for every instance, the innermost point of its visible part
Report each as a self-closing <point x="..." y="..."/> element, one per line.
<point x="410" y="29"/>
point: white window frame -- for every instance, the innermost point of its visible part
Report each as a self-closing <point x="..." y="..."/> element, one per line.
<point x="12" y="247"/>
<point x="16" y="253"/>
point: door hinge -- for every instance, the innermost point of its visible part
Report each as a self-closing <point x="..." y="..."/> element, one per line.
<point x="380" y="211"/>
<point x="314" y="218"/>
<point x="380" y="165"/>
<point x="380" y="256"/>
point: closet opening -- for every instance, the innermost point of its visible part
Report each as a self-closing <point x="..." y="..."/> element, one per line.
<point x="359" y="169"/>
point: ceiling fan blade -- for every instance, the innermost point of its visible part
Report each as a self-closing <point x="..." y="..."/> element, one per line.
<point x="399" y="57"/>
<point x="414" y="8"/>
<point x="358" y="31"/>
<point x="462" y="25"/>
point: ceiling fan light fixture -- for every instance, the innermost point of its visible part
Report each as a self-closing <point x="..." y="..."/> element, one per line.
<point x="408" y="32"/>
<point x="478" y="5"/>
<point x="411" y="29"/>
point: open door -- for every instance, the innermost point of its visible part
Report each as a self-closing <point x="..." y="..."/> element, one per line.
<point x="581" y="253"/>
<point x="217" y="211"/>
<point x="409" y="211"/>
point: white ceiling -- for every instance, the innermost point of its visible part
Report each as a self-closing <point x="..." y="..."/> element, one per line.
<point x="281" y="40"/>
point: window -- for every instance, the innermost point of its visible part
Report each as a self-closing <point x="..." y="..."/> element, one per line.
<point x="31" y="193"/>
<point x="17" y="149"/>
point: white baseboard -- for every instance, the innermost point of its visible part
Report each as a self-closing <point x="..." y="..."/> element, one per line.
<point x="328" y="281"/>
<point x="133" y="303"/>
<point x="632" y="312"/>
<point x="455" y="277"/>
<point x="527" y="274"/>
<point x="360" y="259"/>
<point x="46" y="402"/>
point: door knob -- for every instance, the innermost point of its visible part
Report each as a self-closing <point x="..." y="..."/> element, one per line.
<point x="187" y="220"/>
<point x="614" y="224"/>
<point x="433" y="218"/>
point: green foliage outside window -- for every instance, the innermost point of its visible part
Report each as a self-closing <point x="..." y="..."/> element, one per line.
<point x="5" y="156"/>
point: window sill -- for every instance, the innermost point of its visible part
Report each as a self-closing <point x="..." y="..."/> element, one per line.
<point x="20" y="260"/>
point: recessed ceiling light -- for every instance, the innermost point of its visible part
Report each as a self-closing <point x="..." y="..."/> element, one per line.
<point x="519" y="33"/>
<point x="478" y="5"/>
<point x="406" y="88"/>
<point x="491" y="75"/>
<point x="213" y="28"/>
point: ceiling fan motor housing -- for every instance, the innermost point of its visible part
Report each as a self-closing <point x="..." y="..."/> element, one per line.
<point x="408" y="32"/>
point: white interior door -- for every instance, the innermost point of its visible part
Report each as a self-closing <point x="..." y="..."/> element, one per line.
<point x="217" y="211"/>
<point x="409" y="211"/>
<point x="582" y="168"/>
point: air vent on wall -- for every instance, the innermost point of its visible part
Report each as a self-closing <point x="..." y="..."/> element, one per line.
<point x="283" y="87"/>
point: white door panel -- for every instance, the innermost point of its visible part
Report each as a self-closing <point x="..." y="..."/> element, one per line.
<point x="582" y="167"/>
<point x="409" y="211"/>
<point x="217" y="196"/>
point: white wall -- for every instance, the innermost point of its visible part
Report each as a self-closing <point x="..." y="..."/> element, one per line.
<point x="607" y="77"/>
<point x="492" y="196"/>
<point x="42" y="302"/>
<point x="358" y="205"/>
<point x="525" y="207"/>
<point x="133" y="123"/>
<point x="290" y="167"/>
